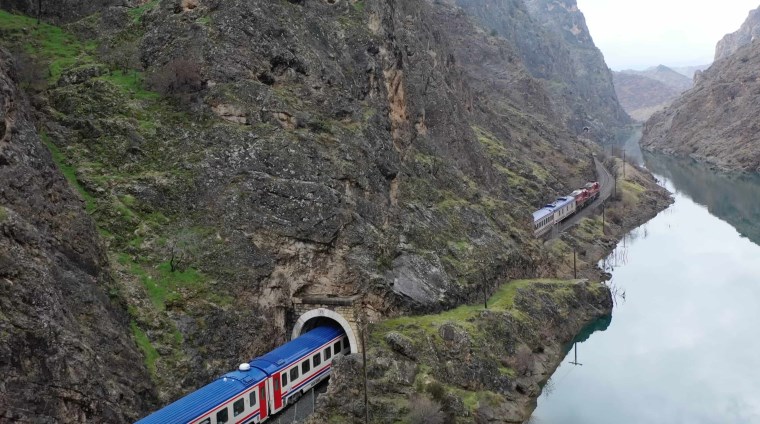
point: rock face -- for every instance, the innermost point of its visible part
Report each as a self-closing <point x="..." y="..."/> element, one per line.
<point x="716" y="121"/>
<point x="552" y="40"/>
<point x="731" y="43"/>
<point x="642" y="93"/>
<point x="65" y="350"/>
<point x="393" y="149"/>
<point x="62" y="10"/>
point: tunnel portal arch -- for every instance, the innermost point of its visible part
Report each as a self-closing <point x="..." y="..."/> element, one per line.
<point x="315" y="317"/>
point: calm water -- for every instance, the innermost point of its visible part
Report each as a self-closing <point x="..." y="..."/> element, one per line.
<point x="684" y="345"/>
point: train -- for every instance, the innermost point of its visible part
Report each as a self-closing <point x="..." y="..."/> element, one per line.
<point x="262" y="387"/>
<point x="563" y="207"/>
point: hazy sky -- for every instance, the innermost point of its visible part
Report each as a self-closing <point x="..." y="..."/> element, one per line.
<point x="642" y="33"/>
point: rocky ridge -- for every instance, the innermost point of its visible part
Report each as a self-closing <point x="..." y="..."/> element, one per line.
<point x="746" y="34"/>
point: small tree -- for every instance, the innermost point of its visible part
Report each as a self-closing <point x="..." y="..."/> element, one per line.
<point x="32" y="73"/>
<point x="177" y="78"/>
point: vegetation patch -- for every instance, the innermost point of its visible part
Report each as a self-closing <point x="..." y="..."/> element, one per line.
<point x="68" y="171"/>
<point x="137" y="13"/>
<point x="465" y="315"/>
<point x="151" y="355"/>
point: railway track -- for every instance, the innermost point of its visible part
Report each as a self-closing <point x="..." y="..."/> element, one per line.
<point x="606" y="184"/>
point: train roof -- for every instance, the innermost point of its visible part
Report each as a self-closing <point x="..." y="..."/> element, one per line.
<point x="562" y="201"/>
<point x="206" y="398"/>
<point x="296" y="349"/>
<point x="543" y="212"/>
<point x="227" y="386"/>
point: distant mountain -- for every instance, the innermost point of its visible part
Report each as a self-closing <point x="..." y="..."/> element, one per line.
<point x="665" y="75"/>
<point x="642" y="93"/>
<point x="747" y="33"/>
<point x="689" y="71"/>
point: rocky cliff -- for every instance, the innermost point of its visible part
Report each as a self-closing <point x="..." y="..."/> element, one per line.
<point x="236" y="154"/>
<point x="716" y="120"/>
<point x="552" y="40"/>
<point x="65" y="350"/>
<point x="62" y="10"/>
<point x="746" y="34"/>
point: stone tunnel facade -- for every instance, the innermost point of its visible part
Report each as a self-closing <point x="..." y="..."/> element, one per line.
<point x="345" y="311"/>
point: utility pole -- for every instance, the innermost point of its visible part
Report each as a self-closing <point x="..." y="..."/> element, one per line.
<point x="485" y="291"/>
<point x="575" y="270"/>
<point x="603" y="206"/>
<point x="623" y="163"/>
<point x="575" y="361"/>
<point x="363" y="325"/>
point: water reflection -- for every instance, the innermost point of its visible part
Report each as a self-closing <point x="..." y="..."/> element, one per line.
<point x="734" y="198"/>
<point x="683" y="346"/>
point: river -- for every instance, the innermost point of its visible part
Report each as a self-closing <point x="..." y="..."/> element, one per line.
<point x="683" y="344"/>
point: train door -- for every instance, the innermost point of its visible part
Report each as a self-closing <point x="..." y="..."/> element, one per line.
<point x="263" y="403"/>
<point x="277" y="393"/>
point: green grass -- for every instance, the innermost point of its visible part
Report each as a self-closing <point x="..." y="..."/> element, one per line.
<point x="132" y="83"/>
<point x="151" y="355"/>
<point x="68" y="171"/>
<point x="3" y="214"/>
<point x="46" y="42"/>
<point x="161" y="284"/>
<point x="137" y="13"/>
<point x="465" y="315"/>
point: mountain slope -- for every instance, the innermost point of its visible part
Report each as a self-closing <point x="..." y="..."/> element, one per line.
<point x="716" y="120"/>
<point x="552" y="40"/>
<point x="237" y="154"/>
<point x="65" y="350"/>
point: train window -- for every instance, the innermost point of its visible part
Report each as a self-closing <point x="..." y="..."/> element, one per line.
<point x="336" y="347"/>
<point x="328" y="353"/>
<point x="238" y="407"/>
<point x="276" y="384"/>
<point x="206" y="421"/>
<point x="284" y="379"/>
<point x="305" y="367"/>
<point x="317" y="360"/>
<point x="222" y="416"/>
<point x="252" y="398"/>
<point x="293" y="373"/>
<point x="345" y="343"/>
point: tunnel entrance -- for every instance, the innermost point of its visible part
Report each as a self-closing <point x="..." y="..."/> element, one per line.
<point x="323" y="316"/>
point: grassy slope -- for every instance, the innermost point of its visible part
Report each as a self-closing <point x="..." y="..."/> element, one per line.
<point x="120" y="221"/>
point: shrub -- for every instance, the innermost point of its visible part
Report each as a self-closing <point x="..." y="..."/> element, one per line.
<point x="178" y="77"/>
<point x="425" y="411"/>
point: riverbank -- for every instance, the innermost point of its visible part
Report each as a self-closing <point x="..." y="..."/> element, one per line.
<point x="637" y="198"/>
<point x="489" y="364"/>
<point x="677" y="350"/>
